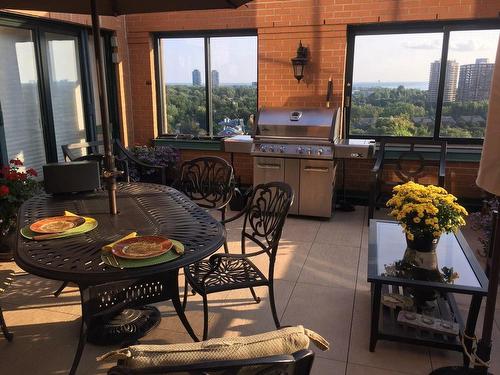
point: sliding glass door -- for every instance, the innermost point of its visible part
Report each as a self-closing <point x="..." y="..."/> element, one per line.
<point x="20" y="120"/>
<point x="48" y="89"/>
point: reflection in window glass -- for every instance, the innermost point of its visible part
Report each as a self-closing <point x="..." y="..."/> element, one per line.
<point x="183" y="86"/>
<point x="394" y="87"/>
<point x="471" y="58"/>
<point x="234" y="83"/>
<point x="65" y="90"/>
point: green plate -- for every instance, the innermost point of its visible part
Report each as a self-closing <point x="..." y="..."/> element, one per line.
<point x="114" y="261"/>
<point x="89" y="225"/>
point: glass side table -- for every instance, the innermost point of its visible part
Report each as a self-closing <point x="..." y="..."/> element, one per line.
<point x="386" y="248"/>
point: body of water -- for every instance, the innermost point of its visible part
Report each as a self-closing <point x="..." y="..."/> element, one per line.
<point x="391" y="85"/>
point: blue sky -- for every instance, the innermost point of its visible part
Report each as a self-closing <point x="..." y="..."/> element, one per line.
<point x="407" y="57"/>
<point x="235" y="58"/>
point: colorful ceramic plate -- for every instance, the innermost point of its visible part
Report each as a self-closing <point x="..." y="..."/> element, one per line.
<point x="56" y="224"/>
<point x="142" y="247"/>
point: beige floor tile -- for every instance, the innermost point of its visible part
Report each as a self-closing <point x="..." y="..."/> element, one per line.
<point x="323" y="366"/>
<point x="327" y="311"/>
<point x="239" y="314"/>
<point x="340" y="233"/>
<point x="388" y="355"/>
<point x="354" y="369"/>
<point x="300" y="229"/>
<point x="331" y="265"/>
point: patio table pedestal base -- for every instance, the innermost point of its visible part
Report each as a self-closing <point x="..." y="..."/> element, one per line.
<point x="125" y="328"/>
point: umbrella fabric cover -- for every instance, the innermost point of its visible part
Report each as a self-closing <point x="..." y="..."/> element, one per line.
<point x="489" y="169"/>
<point x="117" y="7"/>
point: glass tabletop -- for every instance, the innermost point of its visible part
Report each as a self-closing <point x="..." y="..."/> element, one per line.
<point x="387" y="249"/>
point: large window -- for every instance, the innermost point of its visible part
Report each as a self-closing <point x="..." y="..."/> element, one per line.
<point x="207" y="85"/>
<point x="397" y="86"/>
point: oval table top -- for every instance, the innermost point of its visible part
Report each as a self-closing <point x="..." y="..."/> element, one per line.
<point x="147" y="209"/>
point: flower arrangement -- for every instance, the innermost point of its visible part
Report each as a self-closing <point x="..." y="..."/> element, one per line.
<point x="157" y="155"/>
<point x="425" y="211"/>
<point x="16" y="186"/>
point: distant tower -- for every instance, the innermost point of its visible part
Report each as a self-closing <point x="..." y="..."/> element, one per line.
<point x="196" y="78"/>
<point x="450" y="82"/>
<point x="475" y="81"/>
<point x="215" y="78"/>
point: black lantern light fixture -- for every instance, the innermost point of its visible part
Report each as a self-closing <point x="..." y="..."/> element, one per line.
<point x="299" y="62"/>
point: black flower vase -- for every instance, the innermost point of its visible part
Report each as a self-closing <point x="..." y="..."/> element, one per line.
<point x="421" y="254"/>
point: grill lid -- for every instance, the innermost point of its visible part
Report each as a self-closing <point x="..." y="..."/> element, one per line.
<point x="296" y="123"/>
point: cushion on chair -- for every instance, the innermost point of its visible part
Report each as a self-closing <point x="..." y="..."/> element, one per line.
<point x="280" y="342"/>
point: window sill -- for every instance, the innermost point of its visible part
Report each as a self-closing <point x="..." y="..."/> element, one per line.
<point x="189" y="144"/>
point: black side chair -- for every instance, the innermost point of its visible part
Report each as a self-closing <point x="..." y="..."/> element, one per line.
<point x="209" y="182"/>
<point x="299" y="363"/>
<point x="265" y="216"/>
<point x="6" y="278"/>
<point x="411" y="165"/>
<point x="92" y="152"/>
<point x="126" y="161"/>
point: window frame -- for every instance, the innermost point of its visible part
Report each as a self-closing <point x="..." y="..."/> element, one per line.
<point x="205" y="35"/>
<point x="411" y="27"/>
<point x="39" y="27"/>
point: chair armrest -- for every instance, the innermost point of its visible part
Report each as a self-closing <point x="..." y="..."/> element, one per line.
<point x="217" y="257"/>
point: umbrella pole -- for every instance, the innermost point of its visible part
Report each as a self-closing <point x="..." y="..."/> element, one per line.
<point x="109" y="172"/>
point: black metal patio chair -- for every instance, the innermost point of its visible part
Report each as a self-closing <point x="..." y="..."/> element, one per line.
<point x="299" y="363"/>
<point x="264" y="217"/>
<point x="6" y="278"/>
<point x="209" y="182"/>
<point x="411" y="165"/>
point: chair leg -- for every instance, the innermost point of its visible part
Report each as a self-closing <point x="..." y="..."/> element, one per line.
<point x="205" y="317"/>
<point x="8" y="335"/>
<point x="184" y="299"/>
<point x="223" y="217"/>
<point x="254" y="295"/>
<point x="273" y="306"/>
<point x="60" y="289"/>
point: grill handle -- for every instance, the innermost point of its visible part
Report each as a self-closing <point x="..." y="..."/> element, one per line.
<point x="268" y="166"/>
<point x="315" y="169"/>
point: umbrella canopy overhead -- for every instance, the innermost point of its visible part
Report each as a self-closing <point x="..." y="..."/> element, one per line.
<point x="119" y="7"/>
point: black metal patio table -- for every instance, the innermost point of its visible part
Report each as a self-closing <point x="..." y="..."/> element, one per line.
<point x="105" y="290"/>
<point x="386" y="246"/>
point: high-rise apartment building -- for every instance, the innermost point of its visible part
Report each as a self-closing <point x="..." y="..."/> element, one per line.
<point x="450" y="82"/>
<point x="196" y="78"/>
<point x="474" y="82"/>
<point x="215" y="78"/>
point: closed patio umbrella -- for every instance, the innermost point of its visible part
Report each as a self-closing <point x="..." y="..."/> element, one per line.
<point x="489" y="180"/>
<point x="113" y="8"/>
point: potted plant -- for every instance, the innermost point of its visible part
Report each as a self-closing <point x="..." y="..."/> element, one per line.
<point x="425" y="213"/>
<point x="16" y="186"/>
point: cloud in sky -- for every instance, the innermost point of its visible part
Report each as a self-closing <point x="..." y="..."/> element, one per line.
<point x="468" y="46"/>
<point x="423" y="44"/>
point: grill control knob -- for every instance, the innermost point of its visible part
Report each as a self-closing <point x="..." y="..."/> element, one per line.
<point x="320" y="151"/>
<point x="263" y="148"/>
<point x="282" y="149"/>
<point x="300" y="150"/>
<point x="271" y="148"/>
<point x="309" y="150"/>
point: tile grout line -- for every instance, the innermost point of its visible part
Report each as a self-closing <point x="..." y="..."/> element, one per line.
<point x="363" y="228"/>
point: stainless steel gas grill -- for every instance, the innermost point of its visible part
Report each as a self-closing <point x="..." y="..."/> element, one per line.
<point x="297" y="146"/>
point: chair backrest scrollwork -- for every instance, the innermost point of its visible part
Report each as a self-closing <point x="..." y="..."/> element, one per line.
<point x="208" y="181"/>
<point x="265" y="216"/>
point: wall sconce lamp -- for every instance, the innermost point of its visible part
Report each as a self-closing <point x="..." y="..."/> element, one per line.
<point x="299" y="62"/>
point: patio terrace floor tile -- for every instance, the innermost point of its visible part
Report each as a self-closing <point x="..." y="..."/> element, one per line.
<point x="320" y="283"/>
